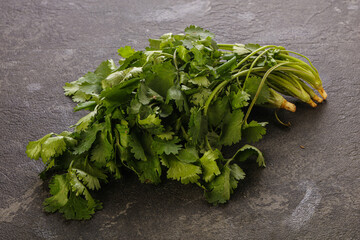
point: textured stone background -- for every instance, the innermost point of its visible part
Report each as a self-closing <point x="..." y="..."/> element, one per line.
<point x="311" y="193"/>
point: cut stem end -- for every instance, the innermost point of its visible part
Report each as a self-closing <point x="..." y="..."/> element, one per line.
<point x="317" y="99"/>
<point x="312" y="103"/>
<point x="322" y="93"/>
<point x="288" y="106"/>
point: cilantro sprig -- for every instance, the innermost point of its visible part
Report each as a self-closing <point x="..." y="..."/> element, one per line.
<point x="166" y="112"/>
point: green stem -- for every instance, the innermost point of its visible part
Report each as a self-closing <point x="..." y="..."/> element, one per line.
<point x="224" y="83"/>
<point x="259" y="90"/>
<point x="176" y="66"/>
<point x="296" y="59"/>
<point x="207" y="143"/>
<point x="254" y="52"/>
<point x="253" y="64"/>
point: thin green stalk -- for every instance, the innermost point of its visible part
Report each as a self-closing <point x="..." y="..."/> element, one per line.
<point x="259" y="90"/>
<point x="254" y="52"/>
<point x="223" y="84"/>
<point x="253" y="64"/>
<point x="296" y="59"/>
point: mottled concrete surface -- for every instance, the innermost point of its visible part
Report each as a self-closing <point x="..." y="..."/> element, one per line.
<point x="311" y="193"/>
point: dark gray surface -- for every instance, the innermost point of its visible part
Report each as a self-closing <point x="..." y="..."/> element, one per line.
<point x="311" y="193"/>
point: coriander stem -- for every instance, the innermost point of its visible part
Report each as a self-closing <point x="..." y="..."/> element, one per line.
<point x="259" y="90"/>
<point x="254" y="52"/>
<point x="223" y="84"/>
<point x="252" y="65"/>
<point x="207" y="143"/>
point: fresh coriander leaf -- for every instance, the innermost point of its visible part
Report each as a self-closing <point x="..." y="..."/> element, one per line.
<point x="126" y="51"/>
<point x="198" y="127"/>
<point x="237" y="172"/>
<point x="200" y="97"/>
<point x="217" y="110"/>
<point x="200" y="81"/>
<point x="183" y="53"/>
<point x="251" y="87"/>
<point x="166" y="146"/>
<point x="88" y="137"/>
<point x="240" y="49"/>
<point x="136" y="147"/>
<point x="33" y="149"/>
<point x="181" y="171"/>
<point x="85" y="121"/>
<point x="247" y="151"/>
<point x="118" y="77"/>
<point x="149" y="171"/>
<point x="209" y="165"/>
<point x="252" y="47"/>
<point x="146" y="95"/>
<point x="254" y="131"/>
<point x="188" y="155"/>
<point x="198" y="32"/>
<point x="231" y="129"/>
<point x="102" y="151"/>
<point x="90" y="105"/>
<point x="219" y="189"/>
<point x="239" y="99"/>
<point x="165" y="74"/>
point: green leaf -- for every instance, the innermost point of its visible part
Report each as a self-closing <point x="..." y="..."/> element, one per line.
<point x="231" y="130"/>
<point x="252" y="47"/>
<point x="254" y="131"/>
<point x="90" y="105"/>
<point x="146" y="95"/>
<point x="209" y="165"/>
<point x="85" y="121"/>
<point x="120" y="94"/>
<point x="59" y="188"/>
<point x="150" y="121"/>
<point x="149" y="171"/>
<point x="33" y="149"/>
<point x="217" y="110"/>
<point x="220" y="188"/>
<point x="251" y="87"/>
<point x="165" y="74"/>
<point x="105" y="69"/>
<point x="183" y="53"/>
<point x="197" y="126"/>
<point x="52" y="147"/>
<point x="174" y="93"/>
<point x="136" y="147"/>
<point x="239" y="99"/>
<point x="67" y="202"/>
<point x="88" y="137"/>
<point x="126" y="51"/>
<point x="237" y="172"/>
<point x="166" y="146"/>
<point x="181" y="171"/>
<point x="198" y="32"/>
<point x="240" y="49"/>
<point x="200" y="97"/>
<point x="102" y="151"/>
<point x="113" y="168"/>
<point x="202" y="81"/>
<point x="247" y="151"/>
<point x="188" y="155"/>
<point x="118" y="77"/>
<point x="89" y="175"/>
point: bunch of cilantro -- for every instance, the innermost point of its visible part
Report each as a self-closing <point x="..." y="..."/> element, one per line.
<point x="165" y="111"/>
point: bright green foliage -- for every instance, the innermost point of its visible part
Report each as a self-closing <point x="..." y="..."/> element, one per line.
<point x="209" y="165"/>
<point x="167" y="110"/>
<point x="181" y="171"/>
<point x="231" y="130"/>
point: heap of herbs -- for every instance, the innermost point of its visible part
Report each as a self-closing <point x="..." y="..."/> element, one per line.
<point x="166" y="112"/>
